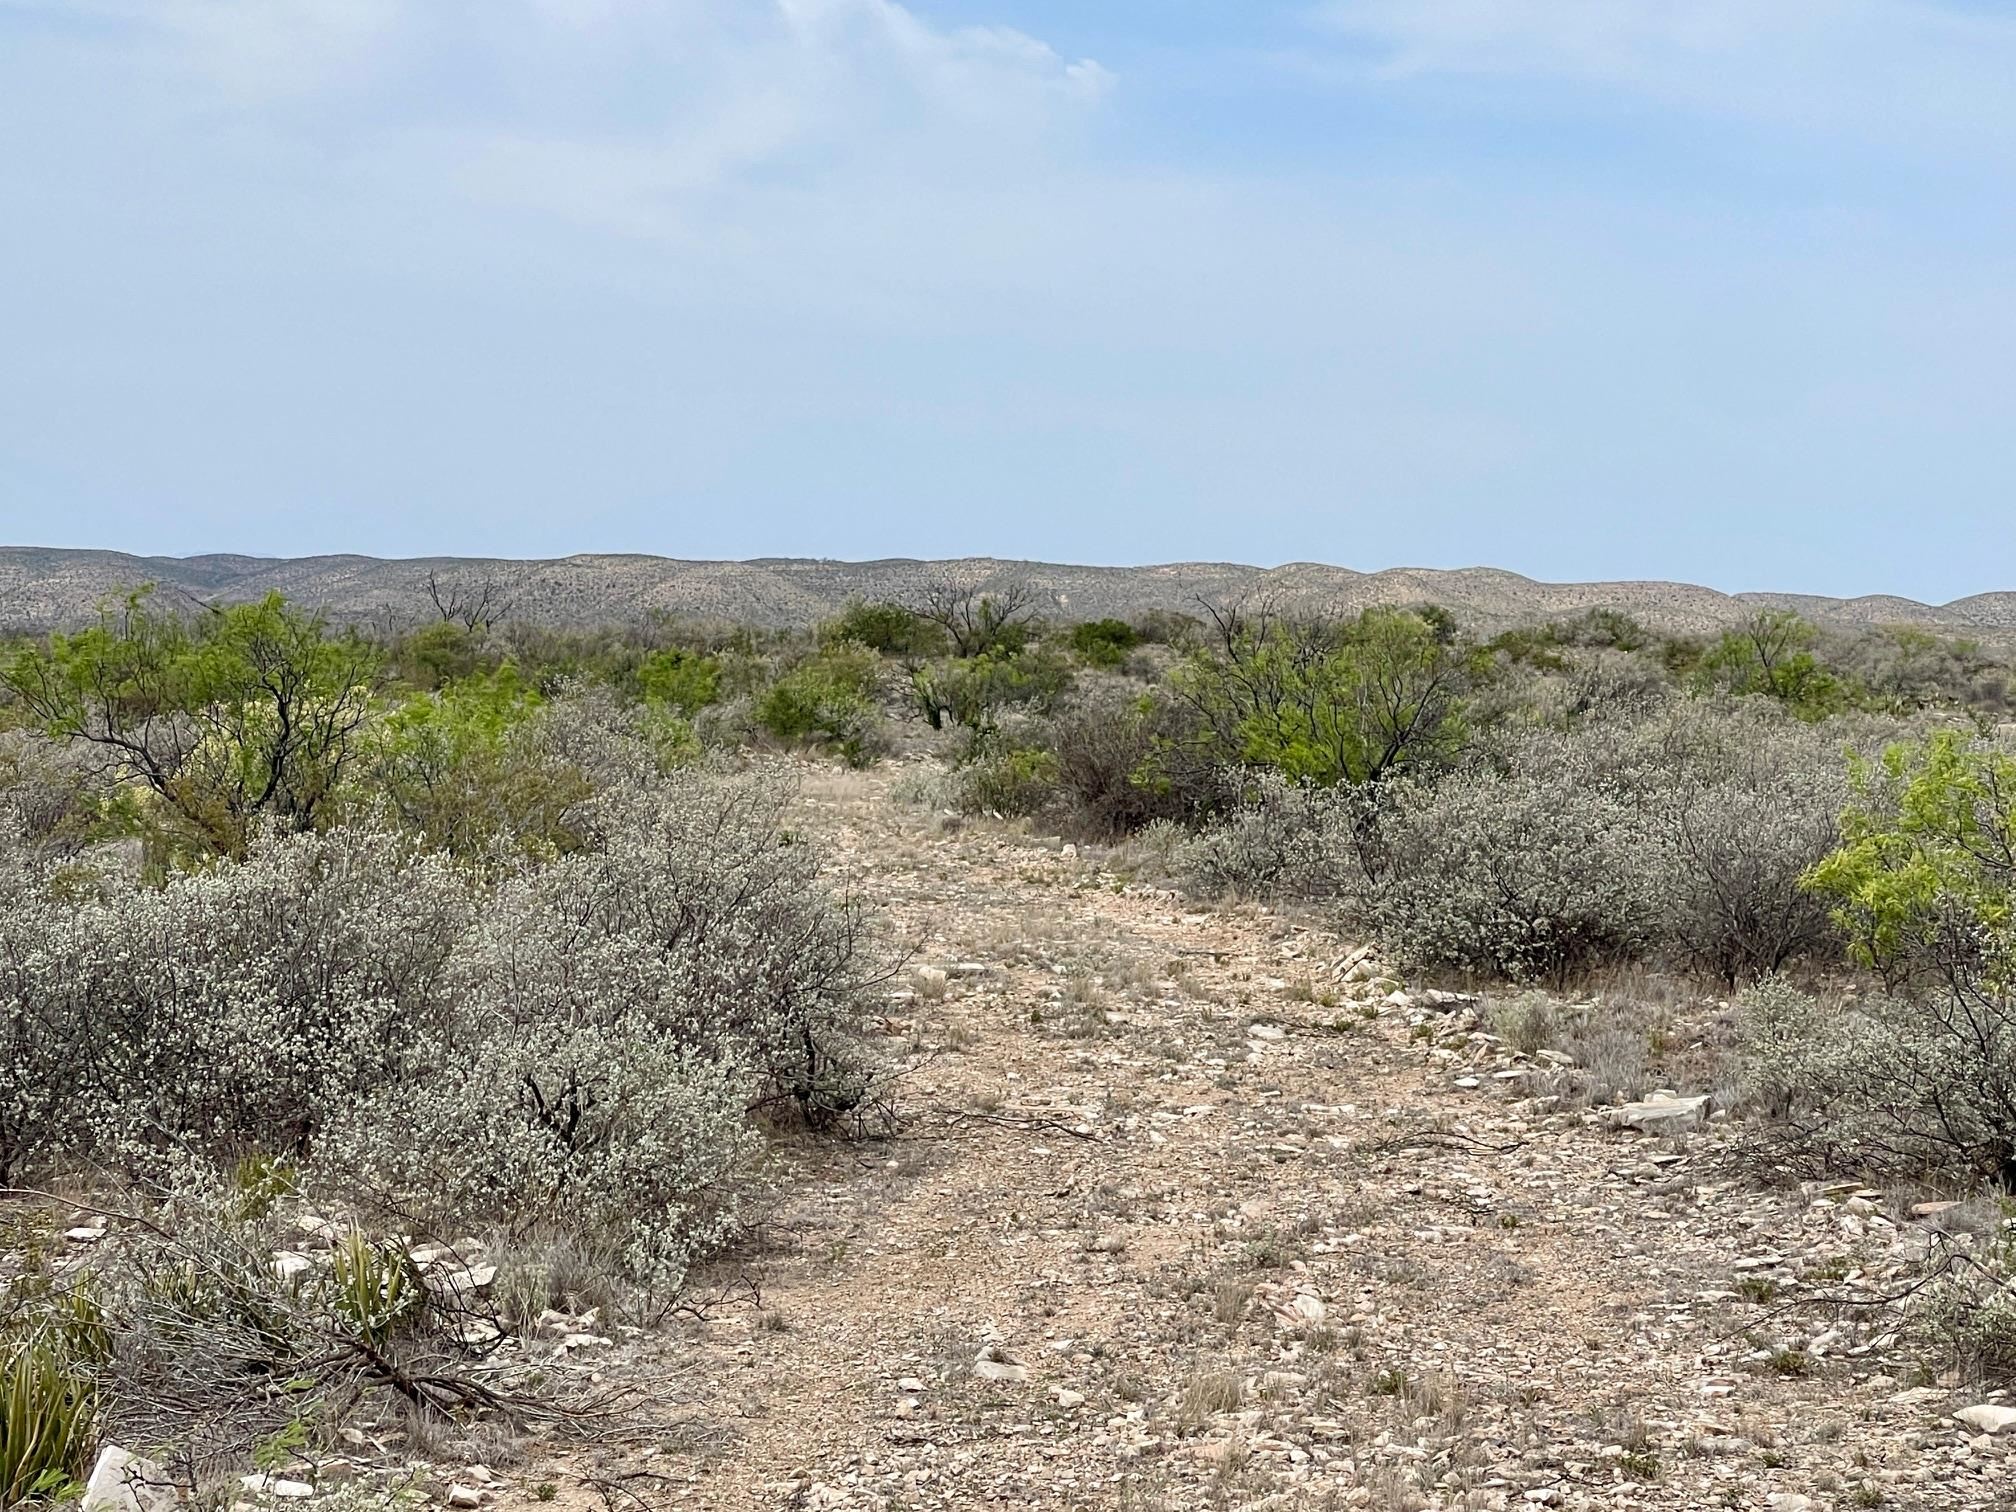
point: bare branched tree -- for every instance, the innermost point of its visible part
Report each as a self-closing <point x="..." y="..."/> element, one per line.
<point x="473" y="603"/>
<point x="978" y="619"/>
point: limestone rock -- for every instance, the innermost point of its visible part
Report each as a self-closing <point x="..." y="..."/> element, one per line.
<point x="124" y="1482"/>
<point x="1662" y="1115"/>
<point x="1988" y="1417"/>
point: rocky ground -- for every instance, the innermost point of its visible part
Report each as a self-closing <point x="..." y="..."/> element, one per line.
<point x="1200" y="1208"/>
<point x="1196" y="1208"/>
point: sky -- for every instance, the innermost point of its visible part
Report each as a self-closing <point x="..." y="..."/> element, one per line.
<point x="1712" y="290"/>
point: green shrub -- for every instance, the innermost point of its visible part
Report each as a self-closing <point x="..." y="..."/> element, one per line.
<point x="890" y="629"/>
<point x="1104" y="642"/>
<point x="1016" y="782"/>
<point x="829" y="700"/>
<point x="682" y="681"/>
<point x="1332" y="701"/>
<point x="975" y="692"/>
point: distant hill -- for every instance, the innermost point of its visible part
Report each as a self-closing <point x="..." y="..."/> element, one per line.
<point x="44" y="587"/>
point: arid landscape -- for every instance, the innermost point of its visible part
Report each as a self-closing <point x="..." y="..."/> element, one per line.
<point x="43" y="587"/>
<point x="954" y="1054"/>
<point x="928" y="755"/>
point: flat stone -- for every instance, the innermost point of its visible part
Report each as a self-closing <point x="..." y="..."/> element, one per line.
<point x="994" y="1364"/>
<point x="1988" y="1417"/>
<point x="1662" y="1115"/>
<point x="122" y="1481"/>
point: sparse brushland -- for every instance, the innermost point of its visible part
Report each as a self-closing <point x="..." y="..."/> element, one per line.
<point x="956" y="1055"/>
<point x="53" y="588"/>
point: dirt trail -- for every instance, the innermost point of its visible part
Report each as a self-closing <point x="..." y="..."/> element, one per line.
<point x="1181" y="1218"/>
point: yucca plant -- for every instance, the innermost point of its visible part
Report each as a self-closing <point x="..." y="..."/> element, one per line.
<point x="47" y="1414"/>
<point x="376" y="1288"/>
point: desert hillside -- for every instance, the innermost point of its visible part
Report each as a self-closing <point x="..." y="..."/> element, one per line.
<point x="42" y="587"/>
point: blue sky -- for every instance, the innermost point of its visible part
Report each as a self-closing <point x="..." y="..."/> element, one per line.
<point x="1708" y="289"/>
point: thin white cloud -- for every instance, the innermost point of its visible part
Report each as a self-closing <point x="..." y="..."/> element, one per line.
<point x="1903" y="70"/>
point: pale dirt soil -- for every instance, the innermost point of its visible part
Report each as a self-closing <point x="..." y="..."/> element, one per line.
<point x="1251" y="1248"/>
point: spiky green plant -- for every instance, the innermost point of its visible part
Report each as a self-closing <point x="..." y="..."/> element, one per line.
<point x="47" y="1417"/>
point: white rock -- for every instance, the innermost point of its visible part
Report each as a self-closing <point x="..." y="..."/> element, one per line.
<point x="124" y="1482"/>
<point x="1662" y="1115"/>
<point x="1788" y="1501"/>
<point x="994" y="1364"/>
<point x="1068" y="1398"/>
<point x="273" y="1485"/>
<point x="464" y="1496"/>
<point x="1988" y="1418"/>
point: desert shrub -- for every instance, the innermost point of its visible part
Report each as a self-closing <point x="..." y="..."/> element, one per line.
<point x="1923" y="1077"/>
<point x="1967" y="1315"/>
<point x="580" y="1041"/>
<point x="1747" y="815"/>
<point x="230" y="1009"/>
<point x="246" y="717"/>
<point x="890" y="629"/>
<point x="1333" y="701"/>
<point x="1010" y="780"/>
<point x="1773" y="655"/>
<point x="1126" y="759"/>
<point x="1530" y="875"/>
<point x="52" y="798"/>
<point x="977" y="692"/>
<point x="1103" y="642"/>
<point x="1280" y="839"/>
<point x="1888" y="1085"/>
<point x="460" y="767"/>
<point x="1528" y="1022"/>
<point x="828" y="700"/>
<point x="610" y="1132"/>
<point x="1924" y="883"/>
<point x="680" y="680"/>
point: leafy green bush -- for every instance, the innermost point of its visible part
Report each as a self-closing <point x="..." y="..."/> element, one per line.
<point x="1104" y="642"/>
<point x="890" y="629"/>
<point x="829" y="700"/>
<point x="1922" y="1079"/>
<point x="683" y="681"/>
<point x="465" y="768"/>
<point x="248" y="716"/>
<point x="1333" y="701"/>
<point x="975" y="692"/>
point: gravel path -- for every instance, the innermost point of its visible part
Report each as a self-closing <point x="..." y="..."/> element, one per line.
<point x="1181" y="1216"/>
